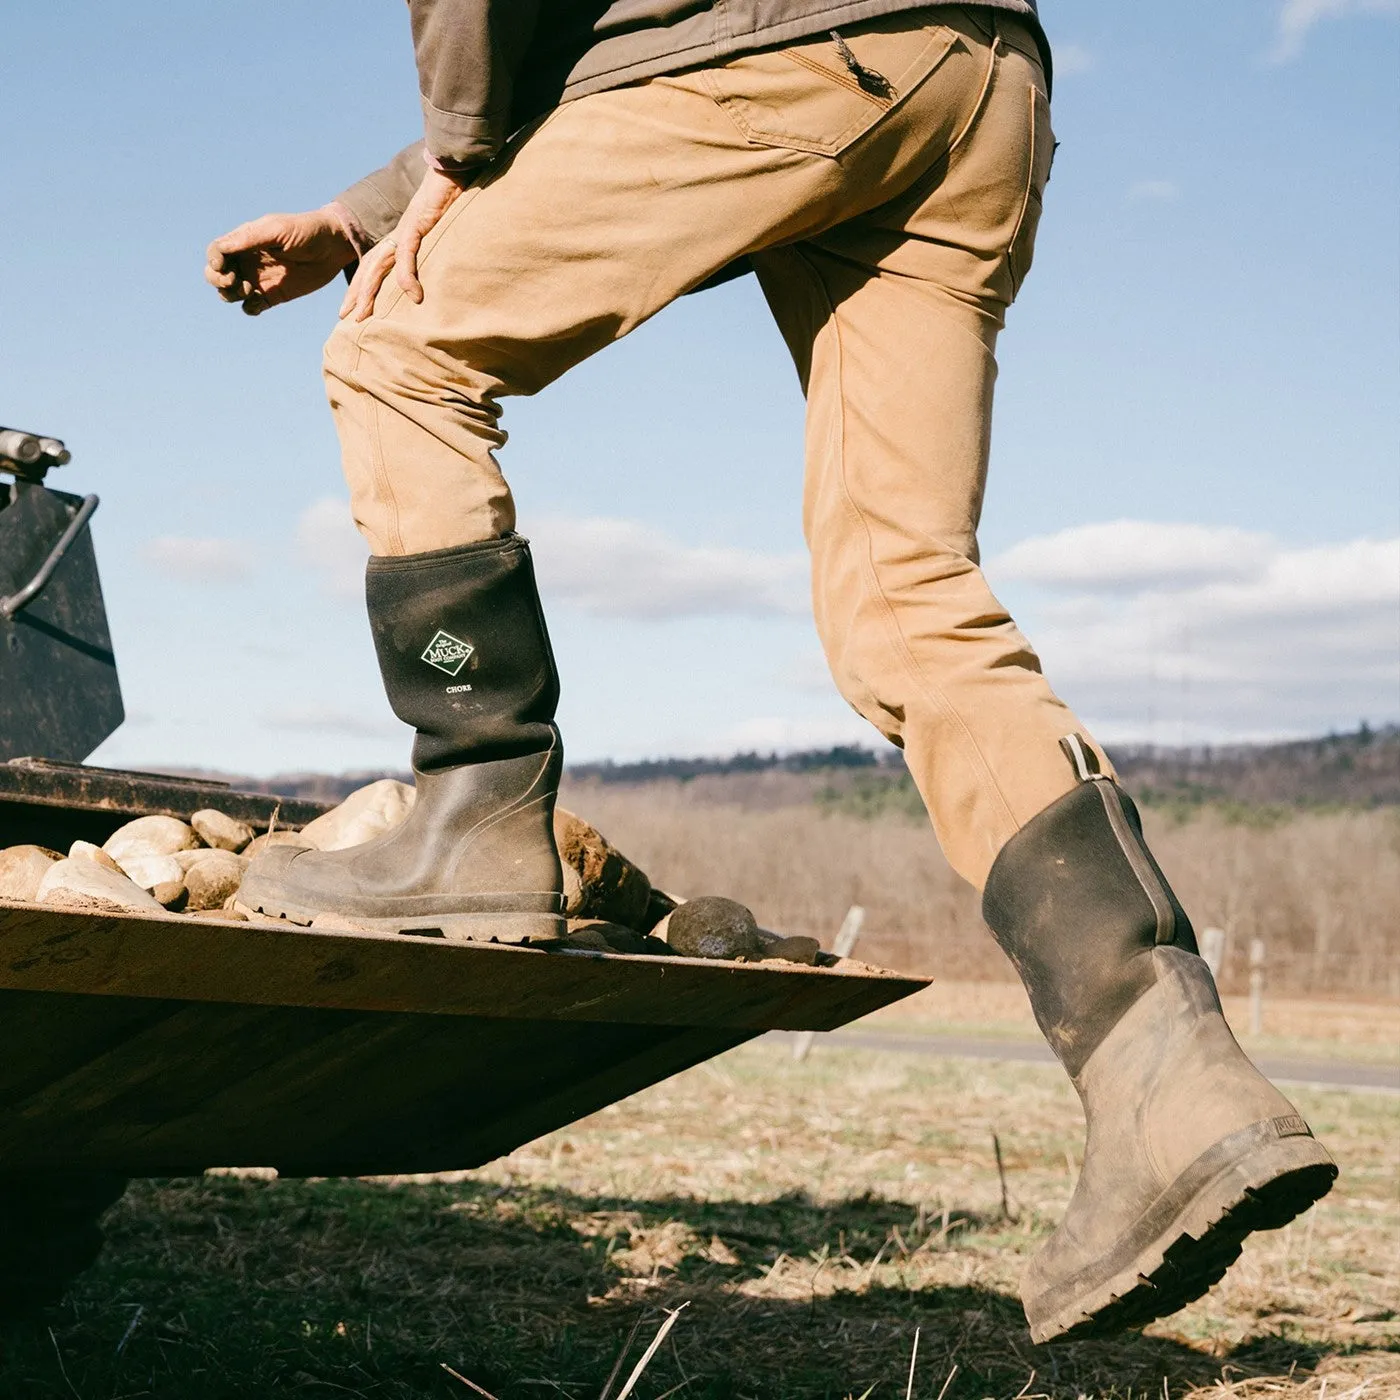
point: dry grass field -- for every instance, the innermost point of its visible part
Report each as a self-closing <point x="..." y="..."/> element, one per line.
<point x="1321" y="888"/>
<point x="813" y="1219"/>
<point x="1294" y="1028"/>
<point x="813" y="1223"/>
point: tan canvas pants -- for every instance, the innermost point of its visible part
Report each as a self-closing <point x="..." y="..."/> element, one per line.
<point x="891" y="207"/>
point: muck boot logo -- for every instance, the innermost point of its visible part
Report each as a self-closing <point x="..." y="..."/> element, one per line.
<point x="447" y="653"/>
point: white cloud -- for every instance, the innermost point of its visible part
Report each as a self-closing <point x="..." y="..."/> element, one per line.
<point x="785" y="733"/>
<point x="626" y="569"/>
<point x="1135" y="554"/>
<point x="1071" y="59"/>
<point x="195" y="560"/>
<point x="1173" y="632"/>
<point x="1163" y="191"/>
<point x="611" y="568"/>
<point x="316" y="719"/>
<point x="807" y="671"/>
<point x="329" y="542"/>
<point x="1298" y="18"/>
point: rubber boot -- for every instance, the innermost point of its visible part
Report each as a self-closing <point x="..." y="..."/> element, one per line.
<point x="466" y="660"/>
<point x="1189" y="1147"/>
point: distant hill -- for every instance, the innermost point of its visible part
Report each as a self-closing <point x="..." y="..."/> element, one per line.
<point x="841" y="757"/>
<point x="1360" y="769"/>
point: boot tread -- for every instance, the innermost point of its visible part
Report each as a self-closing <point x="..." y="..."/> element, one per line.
<point x="1180" y="1266"/>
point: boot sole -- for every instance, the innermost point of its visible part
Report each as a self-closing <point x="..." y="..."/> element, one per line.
<point x="484" y="927"/>
<point x="1261" y="1185"/>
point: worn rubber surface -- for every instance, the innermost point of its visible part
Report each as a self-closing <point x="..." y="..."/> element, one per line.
<point x="476" y="926"/>
<point x="1259" y="1190"/>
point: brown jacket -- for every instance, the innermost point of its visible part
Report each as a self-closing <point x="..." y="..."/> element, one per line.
<point x="486" y="67"/>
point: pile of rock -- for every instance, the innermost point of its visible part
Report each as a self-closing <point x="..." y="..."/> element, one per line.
<point x="611" y="906"/>
<point x="160" y="864"/>
<point x="148" y="865"/>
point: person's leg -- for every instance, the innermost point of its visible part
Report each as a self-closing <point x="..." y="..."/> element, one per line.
<point x="892" y="318"/>
<point x="612" y="207"/>
<point x="595" y="220"/>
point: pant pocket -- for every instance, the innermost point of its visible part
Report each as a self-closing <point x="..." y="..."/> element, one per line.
<point x="1021" y="249"/>
<point x="823" y="94"/>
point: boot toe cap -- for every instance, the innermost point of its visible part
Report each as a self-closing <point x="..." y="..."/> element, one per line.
<point x="282" y="880"/>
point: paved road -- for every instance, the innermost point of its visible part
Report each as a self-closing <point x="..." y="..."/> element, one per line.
<point x="1329" y="1074"/>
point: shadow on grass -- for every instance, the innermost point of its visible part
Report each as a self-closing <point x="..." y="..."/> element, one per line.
<point x="221" y="1289"/>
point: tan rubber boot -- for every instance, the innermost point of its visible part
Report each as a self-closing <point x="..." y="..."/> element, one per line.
<point x="1189" y="1148"/>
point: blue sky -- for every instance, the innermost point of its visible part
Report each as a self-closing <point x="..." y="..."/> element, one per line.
<point x="1193" y="501"/>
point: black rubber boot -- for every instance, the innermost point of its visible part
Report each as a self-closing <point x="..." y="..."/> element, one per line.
<point x="1189" y="1147"/>
<point x="466" y="660"/>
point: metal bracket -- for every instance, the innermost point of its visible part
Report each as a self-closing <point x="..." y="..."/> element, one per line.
<point x="31" y="590"/>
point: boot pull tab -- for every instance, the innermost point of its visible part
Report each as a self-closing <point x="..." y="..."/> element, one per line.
<point x="1082" y="758"/>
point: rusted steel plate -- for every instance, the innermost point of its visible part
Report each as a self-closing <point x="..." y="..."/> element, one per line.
<point x="156" y="1046"/>
<point x="55" y="804"/>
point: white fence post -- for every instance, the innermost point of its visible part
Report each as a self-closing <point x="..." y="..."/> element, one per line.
<point x="845" y="941"/>
<point x="1213" y="950"/>
<point x="1256" y="986"/>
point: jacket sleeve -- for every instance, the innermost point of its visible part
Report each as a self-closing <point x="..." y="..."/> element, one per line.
<point x="468" y="53"/>
<point x="375" y="204"/>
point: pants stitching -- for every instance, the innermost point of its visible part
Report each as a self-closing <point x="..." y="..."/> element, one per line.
<point x="931" y="692"/>
<point x="384" y="488"/>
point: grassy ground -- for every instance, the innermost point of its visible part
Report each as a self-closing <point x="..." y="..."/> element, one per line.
<point x="811" y="1217"/>
<point x="1291" y="1027"/>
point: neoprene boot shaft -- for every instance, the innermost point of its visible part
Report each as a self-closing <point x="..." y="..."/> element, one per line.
<point x="464" y="652"/>
<point x="1078" y="903"/>
<point x="1189" y="1148"/>
<point x="466" y="660"/>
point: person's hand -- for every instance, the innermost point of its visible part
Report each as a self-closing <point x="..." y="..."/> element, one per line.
<point x="399" y="252"/>
<point x="278" y="258"/>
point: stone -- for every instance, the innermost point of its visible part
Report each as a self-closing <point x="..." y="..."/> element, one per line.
<point x="150" y="871"/>
<point x="659" y="905"/>
<point x="615" y="938"/>
<point x="583" y="938"/>
<point x="172" y="895"/>
<point x="83" y="884"/>
<point x="221" y="831"/>
<point x="149" y="836"/>
<point x="275" y="838"/>
<point x="22" y="871"/>
<point x="712" y="927"/>
<point x="599" y="881"/>
<point x="211" y="882"/>
<point x="85" y="850"/>
<point x="368" y="812"/>
<point x="797" y="949"/>
<point x="573" y="888"/>
<point x="237" y="916"/>
<point x="185" y="859"/>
